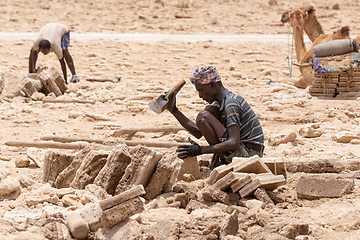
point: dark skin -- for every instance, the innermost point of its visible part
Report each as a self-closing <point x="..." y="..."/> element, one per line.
<point x="66" y="55"/>
<point x="208" y="123"/>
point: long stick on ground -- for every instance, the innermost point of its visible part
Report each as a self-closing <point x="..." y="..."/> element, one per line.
<point x="122" y="131"/>
<point x="127" y="142"/>
<point x="69" y="140"/>
<point x="122" y="197"/>
<point x="67" y="101"/>
<point x="44" y="144"/>
<point x="81" y="100"/>
<point x="5" y="158"/>
<point x="153" y="144"/>
<point x="100" y="80"/>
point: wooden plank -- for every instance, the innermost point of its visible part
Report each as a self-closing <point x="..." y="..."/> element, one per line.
<point x="45" y="100"/>
<point x="127" y="142"/>
<point x="69" y="139"/>
<point x="108" y="126"/>
<point x="153" y="143"/>
<point x="164" y="129"/>
<point x="74" y="145"/>
<point x="100" y="80"/>
<point x="5" y="158"/>
<point x="122" y="197"/>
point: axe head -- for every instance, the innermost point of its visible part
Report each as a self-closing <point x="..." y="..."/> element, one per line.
<point x="160" y="104"/>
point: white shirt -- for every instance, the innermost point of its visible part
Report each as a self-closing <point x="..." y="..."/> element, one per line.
<point x="52" y="32"/>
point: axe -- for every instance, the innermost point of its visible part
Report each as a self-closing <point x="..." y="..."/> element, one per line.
<point x="160" y="104"/>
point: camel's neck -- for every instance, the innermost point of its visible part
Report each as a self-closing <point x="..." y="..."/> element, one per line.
<point x="312" y="27"/>
<point x="299" y="42"/>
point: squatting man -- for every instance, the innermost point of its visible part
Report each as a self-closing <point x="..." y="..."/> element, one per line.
<point x="228" y="123"/>
<point x="53" y="37"/>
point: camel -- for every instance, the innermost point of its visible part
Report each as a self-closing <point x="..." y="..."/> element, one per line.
<point x="297" y="20"/>
<point x="312" y="26"/>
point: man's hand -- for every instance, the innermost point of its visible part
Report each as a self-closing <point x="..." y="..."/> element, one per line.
<point x="186" y="151"/>
<point x="171" y="106"/>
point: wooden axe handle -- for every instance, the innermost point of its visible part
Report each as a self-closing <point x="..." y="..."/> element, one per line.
<point x="178" y="86"/>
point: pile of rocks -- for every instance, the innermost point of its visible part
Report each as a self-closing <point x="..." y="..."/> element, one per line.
<point x="45" y="81"/>
<point x="118" y="192"/>
<point x="245" y="175"/>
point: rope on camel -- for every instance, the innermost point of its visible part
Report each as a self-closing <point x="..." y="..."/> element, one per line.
<point x="290" y="61"/>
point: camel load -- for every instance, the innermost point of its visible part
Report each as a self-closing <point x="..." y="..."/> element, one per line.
<point x="336" y="76"/>
<point x="304" y="19"/>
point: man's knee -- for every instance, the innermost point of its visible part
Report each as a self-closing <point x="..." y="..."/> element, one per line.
<point x="202" y="117"/>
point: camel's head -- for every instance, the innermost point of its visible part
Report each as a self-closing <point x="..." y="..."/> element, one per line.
<point x="285" y="17"/>
<point x="342" y="33"/>
<point x="308" y="9"/>
<point x="297" y="18"/>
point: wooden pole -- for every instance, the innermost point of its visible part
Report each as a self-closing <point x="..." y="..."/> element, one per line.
<point x="67" y="101"/>
<point x="110" y="99"/>
<point x="153" y="144"/>
<point x="100" y="80"/>
<point x="5" y="158"/>
<point x="81" y="100"/>
<point x="122" y="197"/>
<point x="74" y="145"/>
<point x="100" y="141"/>
<point x="122" y="131"/>
<point x="69" y="140"/>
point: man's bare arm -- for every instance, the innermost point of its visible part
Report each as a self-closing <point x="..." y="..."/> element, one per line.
<point x="189" y="125"/>
<point x="32" y="60"/>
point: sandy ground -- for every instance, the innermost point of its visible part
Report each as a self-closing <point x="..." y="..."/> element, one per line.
<point x="257" y="71"/>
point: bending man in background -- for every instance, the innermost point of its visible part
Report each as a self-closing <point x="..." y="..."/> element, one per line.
<point x="53" y="37"/>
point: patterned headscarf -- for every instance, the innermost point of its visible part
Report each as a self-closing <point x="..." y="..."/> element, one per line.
<point x="205" y="75"/>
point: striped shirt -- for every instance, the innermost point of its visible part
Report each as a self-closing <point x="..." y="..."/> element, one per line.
<point x="235" y="110"/>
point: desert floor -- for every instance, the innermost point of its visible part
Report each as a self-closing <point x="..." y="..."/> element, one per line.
<point x="256" y="68"/>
